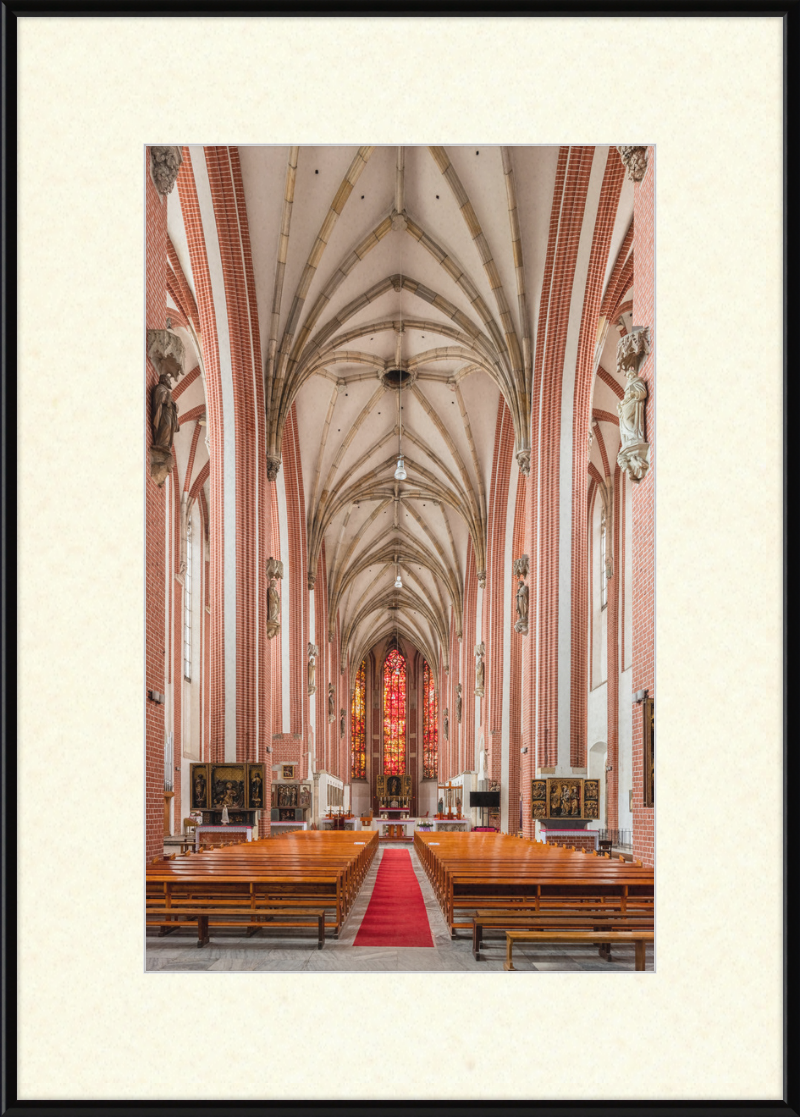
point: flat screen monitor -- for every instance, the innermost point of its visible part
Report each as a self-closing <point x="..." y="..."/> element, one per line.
<point x="484" y="798"/>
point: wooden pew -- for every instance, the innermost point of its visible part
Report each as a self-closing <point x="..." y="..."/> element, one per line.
<point x="638" y="938"/>
<point x="565" y="919"/>
<point x="210" y="914"/>
<point x="309" y="871"/>
<point x="470" y="871"/>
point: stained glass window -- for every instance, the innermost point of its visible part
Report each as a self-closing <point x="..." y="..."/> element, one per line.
<point x="394" y="714"/>
<point x="358" y="729"/>
<point x="430" y="725"/>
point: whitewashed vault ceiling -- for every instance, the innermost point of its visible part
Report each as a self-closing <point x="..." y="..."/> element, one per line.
<point x="426" y="260"/>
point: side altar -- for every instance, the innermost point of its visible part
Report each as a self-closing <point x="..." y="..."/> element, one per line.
<point x="237" y="789"/>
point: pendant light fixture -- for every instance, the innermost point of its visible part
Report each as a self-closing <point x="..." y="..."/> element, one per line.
<point x="398" y="585"/>
<point x="400" y="473"/>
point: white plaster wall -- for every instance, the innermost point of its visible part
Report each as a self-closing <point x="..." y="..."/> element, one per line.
<point x="628" y="556"/>
<point x="597" y="757"/>
<point x="471" y="651"/>
<point x="426" y="797"/>
<point x="597" y="715"/>
<point x="359" y="797"/>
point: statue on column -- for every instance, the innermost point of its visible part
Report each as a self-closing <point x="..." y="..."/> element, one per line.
<point x="274" y="572"/>
<point x="634" y="452"/>
<point x="331" y="704"/>
<point x="313" y="652"/>
<point x="521" y="567"/>
<point x="480" y="652"/>
<point x="447" y="724"/>
<point x="165" y="350"/>
<point x="342" y="720"/>
<point x="458" y="703"/>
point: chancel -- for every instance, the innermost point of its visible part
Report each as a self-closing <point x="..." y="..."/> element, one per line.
<point x="399" y="490"/>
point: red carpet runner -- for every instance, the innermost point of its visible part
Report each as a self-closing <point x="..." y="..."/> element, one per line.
<point x="396" y="913"/>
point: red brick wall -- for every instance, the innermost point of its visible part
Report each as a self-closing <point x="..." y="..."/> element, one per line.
<point x="548" y="374"/>
<point x="494" y="611"/>
<point x="155" y="511"/>
<point x="215" y="691"/>
<point x="469" y="730"/>
<point x="598" y="260"/>
<point x="643" y="675"/>
<point x="515" y="668"/>
<point x="612" y="660"/>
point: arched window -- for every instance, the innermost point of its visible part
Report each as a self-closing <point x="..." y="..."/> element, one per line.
<point x="430" y="725"/>
<point x="394" y="714"/>
<point x="358" y="728"/>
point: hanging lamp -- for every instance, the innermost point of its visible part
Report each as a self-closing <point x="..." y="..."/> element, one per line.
<point x="400" y="473"/>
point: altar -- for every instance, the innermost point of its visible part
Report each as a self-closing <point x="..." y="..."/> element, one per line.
<point x="403" y="828"/>
<point x="231" y="828"/>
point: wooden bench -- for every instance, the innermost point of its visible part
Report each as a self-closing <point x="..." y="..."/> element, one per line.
<point x="640" y="939"/>
<point x="308" y="871"/>
<point x="565" y="919"/>
<point x="171" y="919"/>
<point x="470" y="872"/>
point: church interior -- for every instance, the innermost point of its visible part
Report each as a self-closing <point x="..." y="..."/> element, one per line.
<point x="399" y="518"/>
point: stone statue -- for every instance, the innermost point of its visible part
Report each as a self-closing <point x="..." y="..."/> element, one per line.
<point x="522" y="609"/>
<point x="634" y="452"/>
<point x="165" y="162"/>
<point x="458" y="703"/>
<point x="342" y="716"/>
<point x="313" y="652"/>
<point x="165" y="350"/>
<point x="480" y="652"/>
<point x="331" y="703"/>
<point x="165" y="414"/>
<point x="635" y="161"/>
<point x="447" y="724"/>
<point x="274" y="572"/>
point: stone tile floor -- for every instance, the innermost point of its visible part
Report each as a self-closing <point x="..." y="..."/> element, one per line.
<point x="229" y="951"/>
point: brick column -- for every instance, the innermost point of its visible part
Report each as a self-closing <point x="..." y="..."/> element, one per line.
<point x="155" y="519"/>
<point x="643" y="527"/>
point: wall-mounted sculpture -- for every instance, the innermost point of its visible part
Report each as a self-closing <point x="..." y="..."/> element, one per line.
<point x="331" y="703"/>
<point x="521" y="568"/>
<point x="313" y="652"/>
<point x="165" y="162"/>
<point x="458" y="703"/>
<point x="634" y="453"/>
<point x="447" y="723"/>
<point x="274" y="573"/>
<point x="635" y="160"/>
<point x="342" y="719"/>
<point x="165" y="350"/>
<point x="480" y="667"/>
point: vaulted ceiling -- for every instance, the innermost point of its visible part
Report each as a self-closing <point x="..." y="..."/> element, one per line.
<point x="398" y="291"/>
